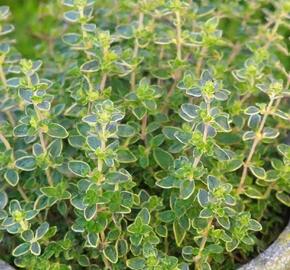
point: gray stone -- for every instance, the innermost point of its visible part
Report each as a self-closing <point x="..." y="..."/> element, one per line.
<point x="275" y="257"/>
<point x="5" y="266"/>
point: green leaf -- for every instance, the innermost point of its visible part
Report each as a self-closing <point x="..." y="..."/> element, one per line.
<point x="179" y="233"/>
<point x="21" y="249"/>
<point x="254" y="225"/>
<point x="35" y="248"/>
<point x="41" y="230"/>
<point x="248" y="240"/>
<point x="253" y="193"/>
<point x="205" y="213"/>
<point x="139" y="112"/>
<point x="162" y="158"/>
<point x="93" y="239"/>
<point x="125" y="31"/>
<point x="84" y="261"/>
<point x="27" y="235"/>
<point x="94" y="142"/>
<point x="249" y="135"/>
<point x="283" y="198"/>
<point x="55" y="148"/>
<point x="189" y="111"/>
<point x="72" y="16"/>
<point x="26" y="163"/>
<point x="186" y="189"/>
<point x="13" y="82"/>
<point x="252" y="110"/>
<point x="168" y="182"/>
<point x="230" y="246"/>
<point x="136" y="263"/>
<point x="57" y="131"/>
<point x="212" y="183"/>
<point x="224" y="222"/>
<point x="117" y="177"/>
<point x="14" y="206"/>
<point x="21" y="130"/>
<point x="233" y="165"/>
<point x="270" y="133"/>
<point x="258" y="172"/>
<point x="3" y="199"/>
<point x="90" y="212"/>
<point x="144" y="215"/>
<point x="125" y="156"/>
<point x="111" y="253"/>
<point x="203" y="197"/>
<point x="166" y="216"/>
<point x="90" y="66"/>
<point x="125" y="131"/>
<point x="12" y="177"/>
<point x="214" y="248"/>
<point x="220" y="153"/>
<point x="79" y="168"/>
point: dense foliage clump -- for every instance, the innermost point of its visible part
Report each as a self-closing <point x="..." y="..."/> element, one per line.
<point x="145" y="134"/>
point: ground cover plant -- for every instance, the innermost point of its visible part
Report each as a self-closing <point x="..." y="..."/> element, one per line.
<point x="145" y="134"/>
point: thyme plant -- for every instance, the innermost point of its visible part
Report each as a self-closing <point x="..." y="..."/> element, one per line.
<point x="149" y="134"/>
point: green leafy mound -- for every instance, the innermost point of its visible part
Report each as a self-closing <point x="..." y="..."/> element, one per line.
<point x="145" y="134"/>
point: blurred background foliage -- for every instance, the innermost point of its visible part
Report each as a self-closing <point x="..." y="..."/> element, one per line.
<point x="36" y="19"/>
<point x="25" y="17"/>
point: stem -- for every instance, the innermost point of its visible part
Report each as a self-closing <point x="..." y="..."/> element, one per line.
<point x="205" y="133"/>
<point x="103" y="82"/>
<point x="143" y="128"/>
<point x="5" y="141"/>
<point x="106" y="262"/>
<point x="199" y="63"/>
<point x="206" y="232"/>
<point x="22" y="193"/>
<point x="43" y="144"/>
<point x="178" y="36"/>
<point x="161" y="55"/>
<point x="169" y="94"/>
<point x="10" y="118"/>
<point x="3" y="79"/>
<point x="254" y="146"/>
<point x="136" y="50"/>
<point x="235" y="51"/>
<point x="203" y="243"/>
<point x="274" y="30"/>
<point x="103" y="146"/>
<point x="2" y="74"/>
<point x="8" y="147"/>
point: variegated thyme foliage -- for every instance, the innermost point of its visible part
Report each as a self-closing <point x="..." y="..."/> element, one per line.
<point x="146" y="135"/>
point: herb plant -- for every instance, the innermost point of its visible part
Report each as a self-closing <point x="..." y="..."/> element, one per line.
<point x="146" y="134"/>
